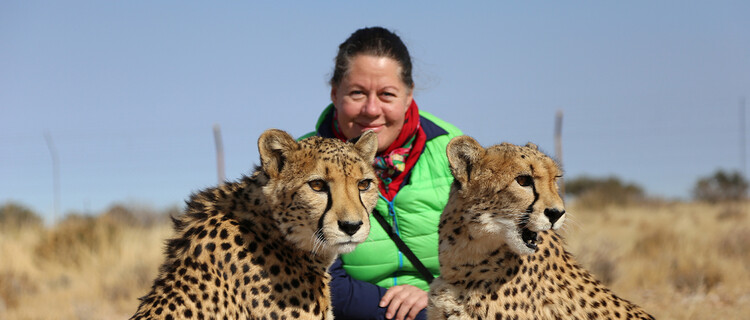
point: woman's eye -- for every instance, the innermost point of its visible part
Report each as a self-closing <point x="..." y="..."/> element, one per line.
<point x="524" y="180"/>
<point x="364" y="185"/>
<point x="317" y="185"/>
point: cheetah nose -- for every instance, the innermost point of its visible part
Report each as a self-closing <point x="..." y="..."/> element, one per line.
<point x="349" y="227"/>
<point x="553" y="214"/>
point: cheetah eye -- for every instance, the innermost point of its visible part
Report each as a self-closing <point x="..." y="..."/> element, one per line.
<point x="524" y="180"/>
<point x="364" y="185"/>
<point x="318" y="185"/>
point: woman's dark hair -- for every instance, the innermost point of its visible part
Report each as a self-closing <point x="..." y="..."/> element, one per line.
<point x="374" y="41"/>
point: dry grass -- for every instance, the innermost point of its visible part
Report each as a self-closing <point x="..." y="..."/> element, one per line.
<point x="83" y="268"/>
<point x="679" y="261"/>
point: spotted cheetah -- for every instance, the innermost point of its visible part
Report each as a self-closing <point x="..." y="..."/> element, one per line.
<point x="260" y="247"/>
<point x="499" y="256"/>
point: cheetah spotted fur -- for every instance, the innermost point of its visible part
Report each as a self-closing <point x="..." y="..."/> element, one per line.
<point x="500" y="257"/>
<point x="259" y="248"/>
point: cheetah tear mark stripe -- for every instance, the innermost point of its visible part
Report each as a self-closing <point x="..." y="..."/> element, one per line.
<point x="329" y="204"/>
<point x="530" y="209"/>
<point x="360" y="198"/>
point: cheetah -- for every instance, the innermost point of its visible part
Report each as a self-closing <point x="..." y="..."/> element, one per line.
<point x="260" y="247"/>
<point x="500" y="257"/>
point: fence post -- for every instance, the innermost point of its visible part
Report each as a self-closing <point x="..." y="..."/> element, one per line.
<point x="219" y="154"/>
<point x="55" y="175"/>
<point x="558" y="148"/>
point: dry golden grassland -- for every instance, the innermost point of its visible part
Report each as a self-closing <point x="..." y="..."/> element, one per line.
<point x="678" y="260"/>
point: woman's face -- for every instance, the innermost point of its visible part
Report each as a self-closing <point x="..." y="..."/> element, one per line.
<point x="372" y="97"/>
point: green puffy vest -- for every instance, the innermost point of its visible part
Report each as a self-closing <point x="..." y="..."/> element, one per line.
<point x="414" y="213"/>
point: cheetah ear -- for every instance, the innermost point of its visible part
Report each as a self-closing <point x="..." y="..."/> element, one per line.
<point x="532" y="146"/>
<point x="274" y="145"/>
<point x="463" y="155"/>
<point x="367" y="145"/>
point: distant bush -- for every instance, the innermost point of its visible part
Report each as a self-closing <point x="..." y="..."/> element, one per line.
<point x="14" y="216"/>
<point x="599" y="192"/>
<point x="77" y="237"/>
<point x="721" y="186"/>
<point x="137" y="215"/>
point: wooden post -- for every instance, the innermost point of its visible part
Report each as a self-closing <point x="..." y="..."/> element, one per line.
<point x="743" y="137"/>
<point x="55" y="176"/>
<point x="558" y="147"/>
<point x="219" y="154"/>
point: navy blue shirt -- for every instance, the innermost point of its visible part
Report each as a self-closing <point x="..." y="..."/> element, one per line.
<point x="362" y="305"/>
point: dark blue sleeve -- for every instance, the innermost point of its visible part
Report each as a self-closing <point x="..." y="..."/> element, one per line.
<point x="354" y="299"/>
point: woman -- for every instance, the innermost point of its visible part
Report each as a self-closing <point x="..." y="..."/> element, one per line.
<point x="371" y="89"/>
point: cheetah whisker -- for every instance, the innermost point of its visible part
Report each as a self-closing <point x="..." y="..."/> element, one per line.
<point x="315" y="239"/>
<point x="571" y="221"/>
<point x="318" y="240"/>
<point x="317" y="243"/>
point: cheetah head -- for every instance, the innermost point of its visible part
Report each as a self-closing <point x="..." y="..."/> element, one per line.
<point x="321" y="191"/>
<point x="506" y="190"/>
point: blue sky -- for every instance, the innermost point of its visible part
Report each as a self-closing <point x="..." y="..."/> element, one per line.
<point x="129" y="90"/>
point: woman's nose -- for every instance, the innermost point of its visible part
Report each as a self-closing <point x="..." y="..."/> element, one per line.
<point x="372" y="106"/>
